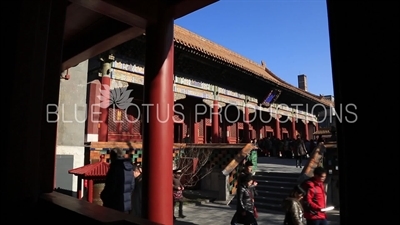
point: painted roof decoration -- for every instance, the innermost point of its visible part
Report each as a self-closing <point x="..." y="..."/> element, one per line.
<point x="322" y="132"/>
<point x="207" y="47"/>
<point x="98" y="169"/>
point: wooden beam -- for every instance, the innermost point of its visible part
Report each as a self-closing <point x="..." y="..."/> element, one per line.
<point x="90" y="213"/>
<point x="138" y="145"/>
<point x="123" y="145"/>
<point x="143" y="9"/>
<point x="92" y="41"/>
<point x="140" y="13"/>
<point x="131" y="12"/>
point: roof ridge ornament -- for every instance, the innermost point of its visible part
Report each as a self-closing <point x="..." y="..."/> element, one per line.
<point x="263" y="64"/>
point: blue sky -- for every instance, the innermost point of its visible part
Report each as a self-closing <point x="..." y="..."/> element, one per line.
<point x="291" y="36"/>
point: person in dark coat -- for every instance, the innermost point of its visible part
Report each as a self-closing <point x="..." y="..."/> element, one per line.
<point x="119" y="182"/>
<point x="245" y="174"/>
<point x="293" y="207"/>
<point x="300" y="151"/>
<point x="245" y="202"/>
<point x="137" y="192"/>
<point x="177" y="192"/>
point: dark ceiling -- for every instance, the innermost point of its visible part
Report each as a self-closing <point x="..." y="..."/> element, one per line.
<point x="95" y="26"/>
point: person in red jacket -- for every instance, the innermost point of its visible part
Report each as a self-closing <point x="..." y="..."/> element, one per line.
<point x="315" y="199"/>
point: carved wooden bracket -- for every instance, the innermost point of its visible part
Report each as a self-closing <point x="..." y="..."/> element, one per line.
<point x="276" y="116"/>
<point x="179" y="96"/>
<point x="251" y="107"/>
<point x="210" y="103"/>
<point x="118" y="84"/>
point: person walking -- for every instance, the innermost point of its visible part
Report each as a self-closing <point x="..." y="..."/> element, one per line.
<point x="294" y="212"/>
<point x="300" y="151"/>
<point x="178" y="193"/>
<point x="315" y="199"/>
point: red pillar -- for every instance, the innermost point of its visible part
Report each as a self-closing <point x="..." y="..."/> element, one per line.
<point x="205" y="134"/>
<point x="196" y="133"/>
<point x="93" y="111"/>
<point x="294" y="127"/>
<point x="307" y="132"/>
<point x="158" y="136"/>
<point x="215" y="122"/>
<point x="105" y="85"/>
<point x="90" y="191"/>
<point x="277" y="127"/>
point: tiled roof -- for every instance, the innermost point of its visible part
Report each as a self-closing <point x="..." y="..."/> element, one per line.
<point x="198" y="43"/>
<point x="98" y="169"/>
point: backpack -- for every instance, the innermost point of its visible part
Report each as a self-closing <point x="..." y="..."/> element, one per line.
<point x="304" y="202"/>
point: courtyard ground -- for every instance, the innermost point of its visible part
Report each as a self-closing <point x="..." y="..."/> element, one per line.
<point x="206" y="213"/>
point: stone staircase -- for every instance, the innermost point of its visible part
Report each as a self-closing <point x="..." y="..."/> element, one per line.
<point x="272" y="188"/>
<point x="276" y="177"/>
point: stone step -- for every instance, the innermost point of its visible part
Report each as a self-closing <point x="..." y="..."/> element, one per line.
<point x="277" y="174"/>
<point x="275" y="178"/>
<point x="276" y="181"/>
<point x="277" y="193"/>
<point x="272" y="188"/>
<point x="264" y="207"/>
<point x="264" y="185"/>
<point x="268" y="195"/>
<point x="269" y="199"/>
<point x="261" y="206"/>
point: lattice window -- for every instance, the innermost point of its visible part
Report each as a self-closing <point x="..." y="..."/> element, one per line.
<point x="137" y="125"/>
<point x="125" y="122"/>
<point x="112" y="125"/>
<point x="201" y="128"/>
<point x="177" y="118"/>
<point x="135" y="120"/>
<point x="185" y="129"/>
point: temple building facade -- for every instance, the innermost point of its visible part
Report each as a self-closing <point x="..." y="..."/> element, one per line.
<point x="218" y="95"/>
<point x="226" y="85"/>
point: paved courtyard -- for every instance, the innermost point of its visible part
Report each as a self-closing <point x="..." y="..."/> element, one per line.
<point x="217" y="214"/>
